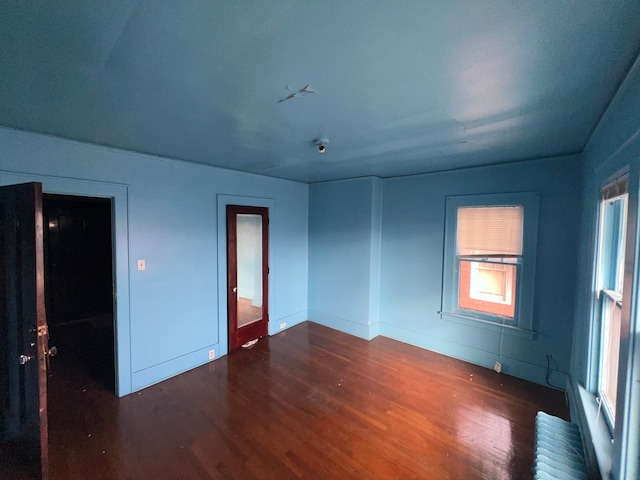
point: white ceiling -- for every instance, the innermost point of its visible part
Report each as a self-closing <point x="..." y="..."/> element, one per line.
<point x="403" y="87"/>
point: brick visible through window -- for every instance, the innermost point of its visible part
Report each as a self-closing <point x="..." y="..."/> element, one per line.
<point x="504" y="303"/>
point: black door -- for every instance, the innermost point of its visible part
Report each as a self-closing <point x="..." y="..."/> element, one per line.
<point x="23" y="335"/>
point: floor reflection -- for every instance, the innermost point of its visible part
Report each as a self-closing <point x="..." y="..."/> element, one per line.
<point x="489" y="436"/>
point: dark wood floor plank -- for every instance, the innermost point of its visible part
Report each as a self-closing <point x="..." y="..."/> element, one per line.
<point x="309" y="403"/>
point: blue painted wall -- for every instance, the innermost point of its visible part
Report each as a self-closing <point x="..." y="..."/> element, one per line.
<point x="344" y="246"/>
<point x="613" y="148"/>
<point x="167" y="212"/>
<point x="412" y="262"/>
<point x="411" y="259"/>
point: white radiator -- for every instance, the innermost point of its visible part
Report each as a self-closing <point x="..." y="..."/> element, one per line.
<point x="558" y="451"/>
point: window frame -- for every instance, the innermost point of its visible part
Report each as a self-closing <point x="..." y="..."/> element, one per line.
<point x="525" y="276"/>
<point x="608" y="288"/>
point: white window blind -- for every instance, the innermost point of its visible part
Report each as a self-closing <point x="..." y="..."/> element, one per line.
<point x="490" y="231"/>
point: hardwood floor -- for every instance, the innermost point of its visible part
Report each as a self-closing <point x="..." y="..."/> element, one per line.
<point x="310" y="403"/>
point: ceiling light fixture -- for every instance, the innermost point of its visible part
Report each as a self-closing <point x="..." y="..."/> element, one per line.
<point x="297" y="93"/>
<point x="322" y="144"/>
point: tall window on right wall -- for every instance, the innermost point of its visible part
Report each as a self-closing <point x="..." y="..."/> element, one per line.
<point x="612" y="234"/>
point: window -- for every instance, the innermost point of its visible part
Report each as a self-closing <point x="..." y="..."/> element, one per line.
<point x="490" y="247"/>
<point x="612" y="233"/>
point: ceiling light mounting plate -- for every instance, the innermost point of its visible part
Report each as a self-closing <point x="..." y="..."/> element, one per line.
<point x="321" y="142"/>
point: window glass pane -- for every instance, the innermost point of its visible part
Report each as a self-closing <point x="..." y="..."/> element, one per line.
<point x="490" y="231"/>
<point x="612" y="311"/>
<point x="488" y="287"/>
<point x="249" y="259"/>
<point x="612" y="244"/>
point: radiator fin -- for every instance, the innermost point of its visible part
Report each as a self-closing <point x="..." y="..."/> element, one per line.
<point x="558" y="453"/>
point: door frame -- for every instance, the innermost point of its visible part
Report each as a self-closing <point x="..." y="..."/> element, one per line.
<point x="223" y="287"/>
<point x="118" y="193"/>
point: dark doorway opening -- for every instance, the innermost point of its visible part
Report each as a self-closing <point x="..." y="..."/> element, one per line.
<point x="79" y="289"/>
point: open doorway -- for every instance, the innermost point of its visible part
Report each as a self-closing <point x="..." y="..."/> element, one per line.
<point x="79" y="290"/>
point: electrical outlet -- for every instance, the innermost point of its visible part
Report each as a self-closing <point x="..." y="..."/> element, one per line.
<point x="212" y="354"/>
<point x="283" y="325"/>
<point x="498" y="367"/>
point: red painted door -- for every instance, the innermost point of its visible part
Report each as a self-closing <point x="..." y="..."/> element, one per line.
<point x="247" y="273"/>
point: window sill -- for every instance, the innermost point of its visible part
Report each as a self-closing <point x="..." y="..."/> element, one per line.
<point x="488" y="324"/>
<point x="597" y="431"/>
